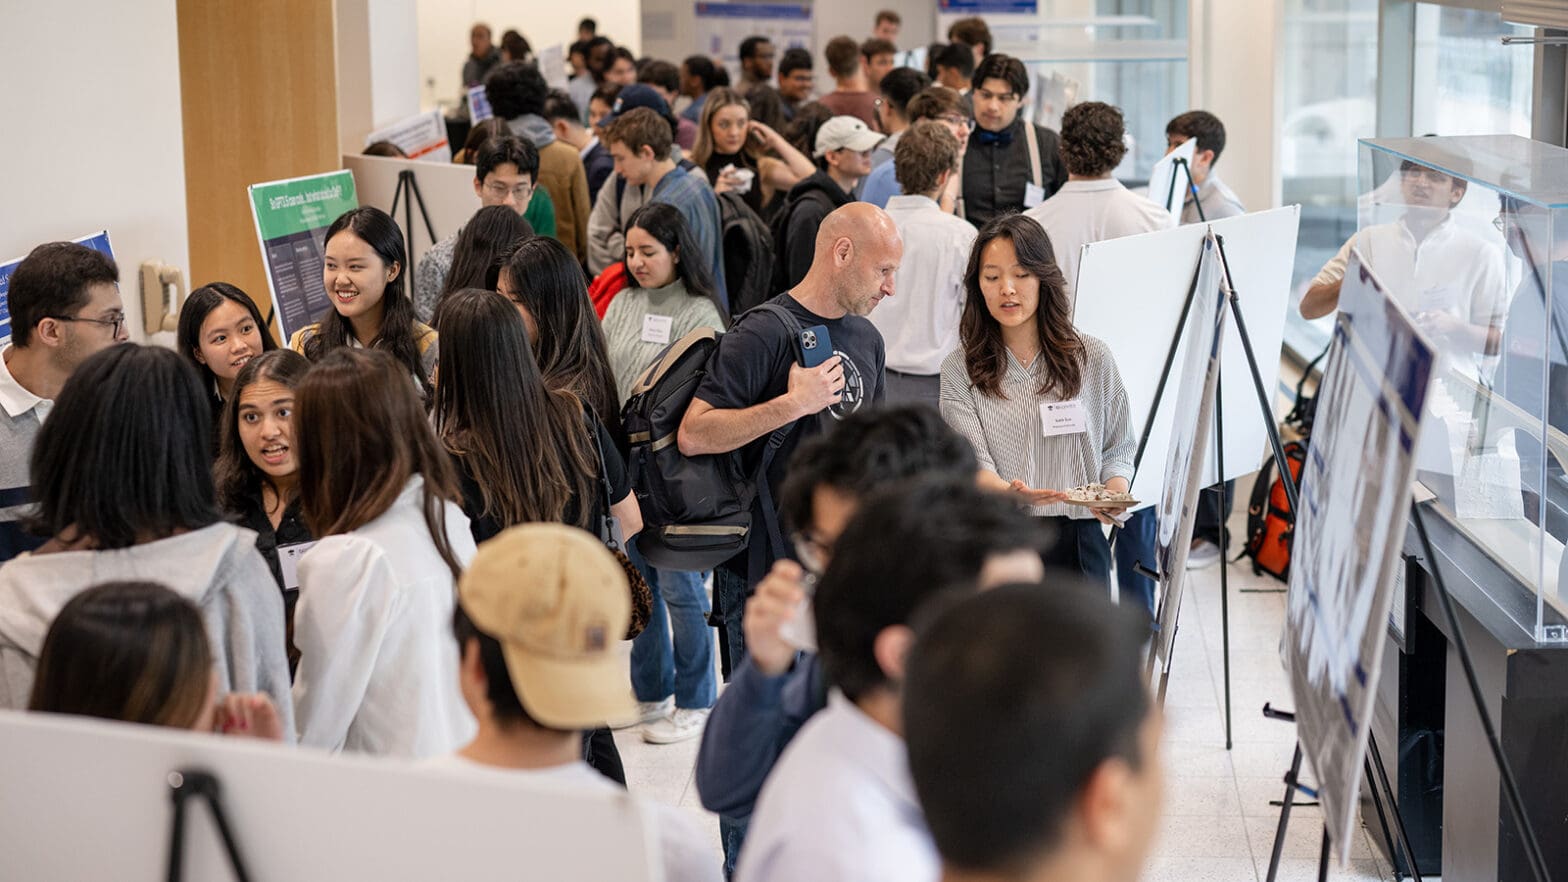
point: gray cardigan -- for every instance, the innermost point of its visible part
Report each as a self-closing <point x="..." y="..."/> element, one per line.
<point x="216" y="567"/>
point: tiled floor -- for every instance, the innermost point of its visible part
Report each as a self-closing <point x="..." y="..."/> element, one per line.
<point x="1220" y="814"/>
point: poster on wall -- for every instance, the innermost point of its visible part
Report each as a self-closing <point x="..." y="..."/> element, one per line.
<point x="478" y="104"/>
<point x="422" y="136"/>
<point x="988" y="7"/>
<point x="722" y="26"/>
<point x="1195" y="385"/>
<point x="98" y="241"/>
<point x="1355" y="495"/>
<point x="291" y="223"/>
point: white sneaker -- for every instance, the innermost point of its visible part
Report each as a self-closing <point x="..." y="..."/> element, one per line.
<point x="682" y="725"/>
<point x="648" y="712"/>
<point x="1202" y="555"/>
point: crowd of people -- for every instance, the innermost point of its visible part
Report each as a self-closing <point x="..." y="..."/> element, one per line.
<point x="421" y="527"/>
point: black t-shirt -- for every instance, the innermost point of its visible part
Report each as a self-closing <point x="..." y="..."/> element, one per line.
<point x="752" y="366"/>
<point x="291" y="530"/>
<point x="485" y="526"/>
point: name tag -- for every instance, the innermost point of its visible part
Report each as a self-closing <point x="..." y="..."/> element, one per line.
<point x="656" y="328"/>
<point x="1033" y="195"/>
<point x="288" y="562"/>
<point x="1063" y="418"/>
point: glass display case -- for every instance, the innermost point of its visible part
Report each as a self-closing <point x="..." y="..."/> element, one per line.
<point x="1470" y="234"/>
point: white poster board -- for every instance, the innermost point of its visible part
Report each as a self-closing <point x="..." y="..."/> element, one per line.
<point x="1168" y="184"/>
<point x="89" y="799"/>
<point x="1193" y="383"/>
<point x="422" y="136"/>
<point x="1350" y="527"/>
<point x="447" y="190"/>
<point x="722" y="26"/>
<point x="1130" y="295"/>
<point x="552" y="63"/>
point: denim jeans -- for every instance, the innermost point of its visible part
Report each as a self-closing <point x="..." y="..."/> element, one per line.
<point x="680" y="617"/>
<point x="730" y="591"/>
<point x="1135" y="544"/>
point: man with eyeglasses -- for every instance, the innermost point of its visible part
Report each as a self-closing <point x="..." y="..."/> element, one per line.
<point x="937" y="103"/>
<point x="777" y="688"/>
<point x="1449" y="278"/>
<point x="65" y="306"/>
<point x="1010" y="164"/>
<point x="505" y="172"/>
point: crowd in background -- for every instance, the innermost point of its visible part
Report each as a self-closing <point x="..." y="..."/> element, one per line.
<point x="421" y="527"/>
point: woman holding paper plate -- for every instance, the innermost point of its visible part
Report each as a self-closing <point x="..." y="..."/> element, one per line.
<point x="1043" y="405"/>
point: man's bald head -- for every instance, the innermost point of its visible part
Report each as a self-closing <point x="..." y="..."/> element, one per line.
<point x="858" y="251"/>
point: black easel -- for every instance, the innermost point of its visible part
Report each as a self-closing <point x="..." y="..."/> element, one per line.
<point x="408" y="193"/>
<point x="183" y="786"/>
<point x="1277" y="447"/>
<point x="1532" y="846"/>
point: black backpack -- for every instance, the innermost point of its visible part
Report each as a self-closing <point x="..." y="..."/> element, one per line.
<point x="778" y="231"/>
<point x="747" y="245"/>
<point x="696" y="510"/>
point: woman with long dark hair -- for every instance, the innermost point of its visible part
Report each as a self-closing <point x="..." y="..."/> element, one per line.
<point x="546" y="284"/>
<point x="524" y="452"/>
<point x="220" y="330"/>
<point x="377" y="671"/>
<point x="137" y="652"/>
<point x="672" y="296"/>
<point x="1043" y="405"/>
<point x="122" y="477"/>
<point x="256" y="471"/>
<point x="731" y="143"/>
<point x="484" y="243"/>
<point x="363" y="271"/>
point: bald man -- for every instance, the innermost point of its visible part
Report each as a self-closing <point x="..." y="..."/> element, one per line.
<point x="756" y="383"/>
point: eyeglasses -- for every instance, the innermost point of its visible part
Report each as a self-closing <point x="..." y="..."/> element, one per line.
<point x="117" y="323"/>
<point x="812" y="552"/>
<point x="962" y="122"/>
<point x="521" y="192"/>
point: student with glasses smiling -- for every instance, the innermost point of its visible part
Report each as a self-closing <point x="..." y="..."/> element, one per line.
<point x="65" y="306"/>
<point x="506" y="170"/>
<point x="946" y="107"/>
<point x="1010" y="164"/>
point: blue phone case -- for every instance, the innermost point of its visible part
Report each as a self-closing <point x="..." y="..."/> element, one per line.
<point x="815" y="346"/>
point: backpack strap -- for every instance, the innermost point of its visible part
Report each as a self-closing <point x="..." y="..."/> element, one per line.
<point x="762" y="491"/>
<point x="1033" y="138"/>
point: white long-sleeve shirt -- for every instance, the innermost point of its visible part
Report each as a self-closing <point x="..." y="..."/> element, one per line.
<point x="919" y="323"/>
<point x="378" y="663"/>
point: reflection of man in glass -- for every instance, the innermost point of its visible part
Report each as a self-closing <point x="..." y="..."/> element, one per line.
<point x="1535" y="349"/>
<point x="1449" y="278"/>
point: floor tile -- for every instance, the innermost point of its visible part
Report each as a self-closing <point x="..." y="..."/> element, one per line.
<point x="1164" y="868"/>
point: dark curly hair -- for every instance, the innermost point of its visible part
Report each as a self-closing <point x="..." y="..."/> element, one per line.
<point x="1092" y="138"/>
<point x="515" y="89"/>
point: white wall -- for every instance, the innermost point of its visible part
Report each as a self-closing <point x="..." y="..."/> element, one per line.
<point x="1235" y="74"/>
<point x="378" y="63"/>
<point x="92" y="132"/>
<point x="444" y="24"/>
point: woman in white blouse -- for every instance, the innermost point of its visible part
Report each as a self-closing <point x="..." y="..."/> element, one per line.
<point x="1043" y="405"/>
<point x="378" y="668"/>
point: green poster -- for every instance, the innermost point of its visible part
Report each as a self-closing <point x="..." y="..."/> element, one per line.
<point x="291" y="222"/>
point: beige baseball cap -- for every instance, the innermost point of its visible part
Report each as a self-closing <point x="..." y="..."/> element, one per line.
<point x="557" y="601"/>
<point x="845" y="131"/>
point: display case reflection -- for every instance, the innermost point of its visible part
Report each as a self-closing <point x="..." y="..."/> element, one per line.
<point x="1469" y="234"/>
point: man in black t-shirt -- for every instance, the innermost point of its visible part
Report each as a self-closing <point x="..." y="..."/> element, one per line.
<point x="756" y="385"/>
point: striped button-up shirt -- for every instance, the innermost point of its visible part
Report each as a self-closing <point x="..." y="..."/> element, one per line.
<point x="1008" y="436"/>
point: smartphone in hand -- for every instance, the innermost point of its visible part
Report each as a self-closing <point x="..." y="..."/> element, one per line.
<point x="816" y="346"/>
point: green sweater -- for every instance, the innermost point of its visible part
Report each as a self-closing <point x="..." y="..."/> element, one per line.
<point x="630" y="352"/>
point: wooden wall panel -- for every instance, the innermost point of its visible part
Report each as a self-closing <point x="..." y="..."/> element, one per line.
<point x="258" y="86"/>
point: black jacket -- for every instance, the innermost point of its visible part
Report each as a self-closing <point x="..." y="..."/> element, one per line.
<point x="995" y="177"/>
<point x="808" y="203"/>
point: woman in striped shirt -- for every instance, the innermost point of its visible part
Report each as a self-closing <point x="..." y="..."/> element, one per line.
<point x="1043" y="405"/>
